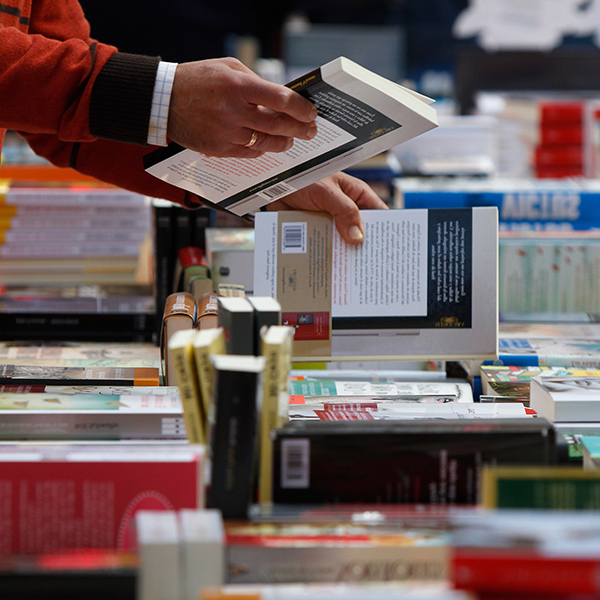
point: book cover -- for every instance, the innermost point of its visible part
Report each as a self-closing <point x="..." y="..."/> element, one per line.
<point x="303" y="391"/>
<point x="233" y="437"/>
<point x="560" y="351"/>
<point x="523" y="204"/>
<point x="566" y="399"/>
<point x="334" y="552"/>
<point x="426" y="461"/>
<point x="508" y="380"/>
<point x="560" y="487"/>
<point x="369" y="409"/>
<point x="408" y="291"/>
<point x="34" y="375"/>
<point x="51" y="415"/>
<point x="360" y="114"/>
<point x="230" y="254"/>
<point x="87" y="496"/>
<point x="502" y="571"/>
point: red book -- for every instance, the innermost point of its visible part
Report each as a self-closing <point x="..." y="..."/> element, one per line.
<point x="520" y="571"/>
<point x="565" y="112"/>
<point x="558" y="156"/>
<point x="57" y="497"/>
<point x="558" y="172"/>
<point x="561" y="134"/>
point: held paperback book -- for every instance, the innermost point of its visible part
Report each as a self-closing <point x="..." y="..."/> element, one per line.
<point x="360" y="114"/>
<point x="423" y="284"/>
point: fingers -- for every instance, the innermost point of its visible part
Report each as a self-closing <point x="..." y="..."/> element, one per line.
<point x="217" y="105"/>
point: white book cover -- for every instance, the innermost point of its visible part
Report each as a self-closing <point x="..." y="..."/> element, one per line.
<point x="360" y="114"/>
<point x="423" y="284"/>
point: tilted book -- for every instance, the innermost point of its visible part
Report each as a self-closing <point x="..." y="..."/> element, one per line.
<point x="422" y="285"/>
<point x="360" y="114"/>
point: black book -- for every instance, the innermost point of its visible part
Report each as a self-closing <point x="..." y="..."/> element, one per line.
<point x="426" y="461"/>
<point x="164" y="258"/>
<point x="233" y="437"/>
<point x="76" y="326"/>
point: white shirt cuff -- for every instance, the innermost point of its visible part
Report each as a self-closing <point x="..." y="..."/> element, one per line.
<point x="159" y="114"/>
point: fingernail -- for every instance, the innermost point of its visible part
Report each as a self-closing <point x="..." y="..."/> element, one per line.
<point x="354" y="233"/>
<point x="313" y="113"/>
<point x="312" y="131"/>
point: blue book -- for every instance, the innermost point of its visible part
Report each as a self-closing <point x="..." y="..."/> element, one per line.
<point x="551" y="352"/>
<point x="531" y="207"/>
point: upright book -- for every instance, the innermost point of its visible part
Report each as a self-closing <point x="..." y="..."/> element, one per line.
<point x="360" y="114"/>
<point x="422" y="285"/>
<point x="233" y="439"/>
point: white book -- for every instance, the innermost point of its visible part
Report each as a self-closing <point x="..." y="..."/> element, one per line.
<point x="360" y="114"/>
<point x="422" y="285"/>
<point x="159" y="573"/>
<point x="566" y="399"/>
<point x="203" y="550"/>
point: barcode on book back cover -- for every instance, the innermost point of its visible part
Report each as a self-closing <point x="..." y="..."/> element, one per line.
<point x="295" y="463"/>
<point x="277" y="191"/>
<point x="293" y="238"/>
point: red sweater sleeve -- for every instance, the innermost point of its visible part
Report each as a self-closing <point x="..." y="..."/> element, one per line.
<point x="78" y="102"/>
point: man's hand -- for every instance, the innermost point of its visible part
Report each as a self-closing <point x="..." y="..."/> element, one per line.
<point x="217" y="105"/>
<point x="341" y="196"/>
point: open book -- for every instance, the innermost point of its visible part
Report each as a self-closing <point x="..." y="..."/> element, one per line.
<point x="360" y="114"/>
<point x="422" y="285"/>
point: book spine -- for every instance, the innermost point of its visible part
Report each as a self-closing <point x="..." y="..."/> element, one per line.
<point x="182" y="360"/>
<point x="233" y="443"/>
<point x="164" y="264"/>
<point x="78" y="326"/>
<point x="521" y="210"/>
<point x="339" y="561"/>
<point x="36" y="197"/>
<point x="481" y="571"/>
<point x="49" y="235"/>
<point x="108" y="426"/>
<point x="68" y="250"/>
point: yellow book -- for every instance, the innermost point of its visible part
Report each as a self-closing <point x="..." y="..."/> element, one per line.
<point x="207" y="343"/>
<point x="276" y="347"/>
<point x="181" y="357"/>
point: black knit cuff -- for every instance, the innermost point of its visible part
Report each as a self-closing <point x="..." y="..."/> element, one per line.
<point x="122" y="98"/>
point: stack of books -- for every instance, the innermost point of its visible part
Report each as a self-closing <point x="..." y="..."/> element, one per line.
<point x="75" y="264"/>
